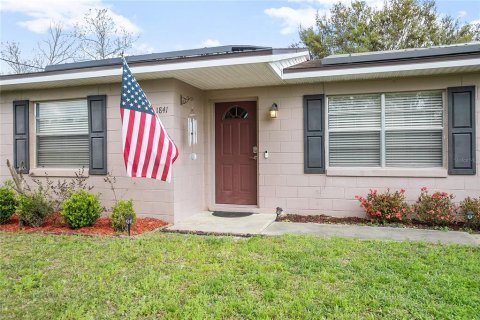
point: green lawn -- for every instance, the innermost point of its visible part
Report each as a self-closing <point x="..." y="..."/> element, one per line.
<point x="184" y="277"/>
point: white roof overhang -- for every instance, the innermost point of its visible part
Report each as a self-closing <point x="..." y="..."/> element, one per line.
<point x="386" y="71"/>
<point x="237" y="72"/>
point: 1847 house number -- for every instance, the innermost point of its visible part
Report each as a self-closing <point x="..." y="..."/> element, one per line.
<point x="162" y="110"/>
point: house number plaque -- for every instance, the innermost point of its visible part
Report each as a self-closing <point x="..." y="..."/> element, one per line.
<point x="162" y="110"/>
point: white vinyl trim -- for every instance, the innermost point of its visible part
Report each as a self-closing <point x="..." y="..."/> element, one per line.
<point x="381" y="69"/>
<point x="275" y="62"/>
<point x="154" y="68"/>
<point x="386" y="172"/>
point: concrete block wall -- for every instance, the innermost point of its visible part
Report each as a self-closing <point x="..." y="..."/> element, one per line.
<point x="188" y="174"/>
<point x="281" y="180"/>
<point x="151" y="197"/>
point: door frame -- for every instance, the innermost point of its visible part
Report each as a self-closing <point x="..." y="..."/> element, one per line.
<point x="210" y="169"/>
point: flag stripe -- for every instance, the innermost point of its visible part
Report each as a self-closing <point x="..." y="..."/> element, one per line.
<point x="127" y="132"/>
<point x="149" y="145"/>
<point x="161" y="143"/>
<point x="153" y="157"/>
<point x="141" y="132"/>
<point x="166" y="168"/>
<point x="133" y="142"/>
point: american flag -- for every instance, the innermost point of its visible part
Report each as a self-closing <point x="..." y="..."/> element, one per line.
<point x="148" y="151"/>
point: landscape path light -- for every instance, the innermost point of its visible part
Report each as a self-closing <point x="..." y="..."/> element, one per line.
<point x="128" y="221"/>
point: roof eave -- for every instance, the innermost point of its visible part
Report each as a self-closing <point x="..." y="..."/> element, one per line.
<point x="373" y="71"/>
<point x="112" y="74"/>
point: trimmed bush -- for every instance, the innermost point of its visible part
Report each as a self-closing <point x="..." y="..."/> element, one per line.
<point x="8" y="203"/>
<point x="119" y="210"/>
<point x="473" y="205"/>
<point x="81" y="209"/>
<point x="33" y="208"/>
<point x="437" y="208"/>
<point x="385" y="207"/>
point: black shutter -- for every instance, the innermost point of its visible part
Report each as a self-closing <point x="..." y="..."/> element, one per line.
<point x="314" y="134"/>
<point x="461" y="130"/>
<point x="20" y="135"/>
<point x="97" y="127"/>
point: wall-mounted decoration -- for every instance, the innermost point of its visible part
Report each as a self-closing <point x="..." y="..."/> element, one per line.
<point x="192" y="128"/>
<point x="185" y="99"/>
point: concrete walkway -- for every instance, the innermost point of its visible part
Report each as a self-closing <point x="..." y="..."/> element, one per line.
<point x="265" y="224"/>
<point x="208" y="223"/>
<point x="372" y="233"/>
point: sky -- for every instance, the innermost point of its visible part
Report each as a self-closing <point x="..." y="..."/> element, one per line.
<point x="176" y="25"/>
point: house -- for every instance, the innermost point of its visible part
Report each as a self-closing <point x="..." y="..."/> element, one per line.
<point x="274" y="128"/>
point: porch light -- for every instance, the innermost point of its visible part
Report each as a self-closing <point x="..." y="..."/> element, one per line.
<point x="274" y="111"/>
<point x="128" y="221"/>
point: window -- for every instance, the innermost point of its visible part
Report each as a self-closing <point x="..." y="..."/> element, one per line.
<point x="386" y="130"/>
<point x="62" y="134"/>
<point x="236" y="112"/>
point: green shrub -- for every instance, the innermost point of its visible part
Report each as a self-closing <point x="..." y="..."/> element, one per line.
<point x="33" y="208"/>
<point x="385" y="206"/>
<point x="437" y="208"/>
<point x="473" y="205"/>
<point x="119" y="210"/>
<point x="81" y="209"/>
<point x="8" y="202"/>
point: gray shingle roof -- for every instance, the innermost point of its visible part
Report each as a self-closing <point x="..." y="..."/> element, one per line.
<point x="171" y="55"/>
<point x="402" y="54"/>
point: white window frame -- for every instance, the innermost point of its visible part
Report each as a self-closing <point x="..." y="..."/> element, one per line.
<point x="384" y="170"/>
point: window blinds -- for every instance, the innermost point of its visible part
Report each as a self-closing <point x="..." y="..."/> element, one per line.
<point x="62" y="134"/>
<point x="413" y="129"/>
<point x="354" y="130"/>
<point x="410" y="122"/>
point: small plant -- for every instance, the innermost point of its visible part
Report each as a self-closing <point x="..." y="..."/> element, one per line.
<point x="33" y="208"/>
<point x="60" y="190"/>
<point x="119" y="210"/>
<point x="385" y="207"/>
<point x="8" y="203"/>
<point x="81" y="209"/>
<point x="436" y="208"/>
<point x="469" y="208"/>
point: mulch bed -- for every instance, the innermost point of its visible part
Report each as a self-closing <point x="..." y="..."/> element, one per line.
<point x="102" y="226"/>
<point x="459" y="226"/>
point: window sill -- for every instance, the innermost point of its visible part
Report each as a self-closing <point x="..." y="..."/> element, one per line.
<point x="54" y="172"/>
<point x="388" y="172"/>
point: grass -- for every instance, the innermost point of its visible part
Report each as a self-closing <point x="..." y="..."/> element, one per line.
<point x="194" y="277"/>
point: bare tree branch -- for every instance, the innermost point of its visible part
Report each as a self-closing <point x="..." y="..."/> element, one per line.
<point x="100" y="37"/>
<point x="59" y="47"/>
<point x="12" y="55"/>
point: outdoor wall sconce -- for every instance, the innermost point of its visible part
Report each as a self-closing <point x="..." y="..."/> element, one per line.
<point x="128" y="221"/>
<point x="274" y="111"/>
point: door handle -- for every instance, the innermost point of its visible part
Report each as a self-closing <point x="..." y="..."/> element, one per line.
<point x="254" y="157"/>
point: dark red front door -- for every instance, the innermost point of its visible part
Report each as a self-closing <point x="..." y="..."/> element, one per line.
<point x="235" y="160"/>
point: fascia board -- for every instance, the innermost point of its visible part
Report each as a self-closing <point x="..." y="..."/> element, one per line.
<point x="381" y="69"/>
